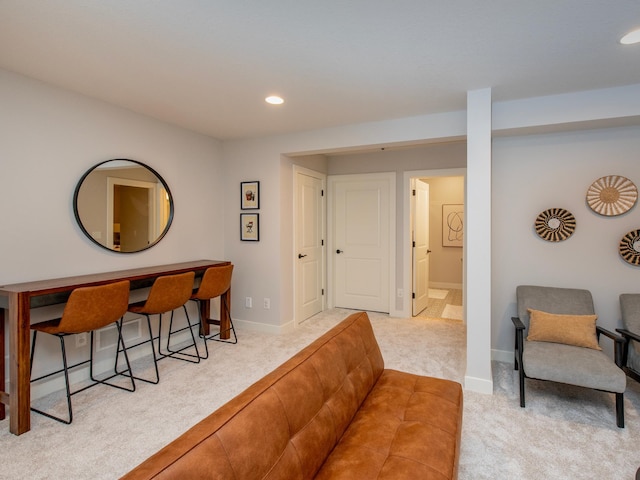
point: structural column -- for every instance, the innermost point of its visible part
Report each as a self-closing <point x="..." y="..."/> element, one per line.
<point x="477" y="293"/>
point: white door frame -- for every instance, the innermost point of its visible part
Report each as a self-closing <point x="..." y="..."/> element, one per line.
<point x="391" y="178"/>
<point x="406" y="228"/>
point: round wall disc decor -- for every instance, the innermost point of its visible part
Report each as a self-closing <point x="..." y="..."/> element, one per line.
<point x="630" y="247"/>
<point x="555" y="224"/>
<point x="612" y="195"/>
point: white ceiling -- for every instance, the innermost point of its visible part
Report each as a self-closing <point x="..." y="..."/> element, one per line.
<point x="207" y="65"/>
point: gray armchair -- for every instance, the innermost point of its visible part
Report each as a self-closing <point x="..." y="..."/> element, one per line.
<point x="630" y="309"/>
<point x="561" y="362"/>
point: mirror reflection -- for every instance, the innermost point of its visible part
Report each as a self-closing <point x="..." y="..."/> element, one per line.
<point x="123" y="205"/>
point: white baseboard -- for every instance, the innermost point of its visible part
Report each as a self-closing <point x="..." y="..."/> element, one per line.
<point x="479" y="385"/>
<point x="445" y="286"/>
<point x="263" y="327"/>
<point x="395" y="313"/>
<point x="502" y="356"/>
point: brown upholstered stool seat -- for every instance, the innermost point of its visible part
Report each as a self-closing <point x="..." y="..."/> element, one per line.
<point x="168" y="293"/>
<point x="215" y="282"/>
<point x="88" y="309"/>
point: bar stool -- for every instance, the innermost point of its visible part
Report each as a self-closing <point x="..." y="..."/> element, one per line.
<point x="167" y="294"/>
<point x="216" y="281"/>
<point x="88" y="309"/>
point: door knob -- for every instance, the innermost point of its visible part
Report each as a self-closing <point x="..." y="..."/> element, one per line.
<point x="301" y="255"/>
<point x="428" y="252"/>
<point x="338" y="251"/>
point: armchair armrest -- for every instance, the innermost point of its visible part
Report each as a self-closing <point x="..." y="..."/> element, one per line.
<point x="619" y="343"/>
<point x="517" y="353"/>
<point x="627" y="334"/>
<point x="519" y="340"/>
<point x="517" y="323"/>
<point x="610" y="334"/>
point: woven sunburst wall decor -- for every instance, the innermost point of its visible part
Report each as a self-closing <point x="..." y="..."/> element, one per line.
<point x="555" y="224"/>
<point x="630" y="247"/>
<point x="612" y="195"/>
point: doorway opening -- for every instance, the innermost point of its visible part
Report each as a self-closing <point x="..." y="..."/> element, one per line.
<point x="435" y="231"/>
<point x="137" y="212"/>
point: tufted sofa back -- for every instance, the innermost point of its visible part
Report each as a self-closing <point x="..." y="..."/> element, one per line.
<point x="287" y="423"/>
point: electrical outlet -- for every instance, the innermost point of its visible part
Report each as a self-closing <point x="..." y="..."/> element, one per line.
<point x="267" y="303"/>
<point x="82" y="339"/>
<point x="248" y="302"/>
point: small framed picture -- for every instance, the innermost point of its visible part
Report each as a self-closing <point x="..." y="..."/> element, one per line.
<point x="250" y="195"/>
<point x="249" y="227"/>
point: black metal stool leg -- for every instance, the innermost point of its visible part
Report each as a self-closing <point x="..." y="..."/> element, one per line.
<point x="66" y="380"/>
<point x="180" y="354"/>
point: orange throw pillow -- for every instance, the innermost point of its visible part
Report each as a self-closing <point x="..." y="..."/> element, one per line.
<point x="578" y="330"/>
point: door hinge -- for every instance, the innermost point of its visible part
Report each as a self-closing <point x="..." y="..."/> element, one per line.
<point x="413" y="244"/>
<point x="322" y="242"/>
<point x="413" y="192"/>
<point x="323" y="291"/>
<point x="322" y="193"/>
<point x="413" y="295"/>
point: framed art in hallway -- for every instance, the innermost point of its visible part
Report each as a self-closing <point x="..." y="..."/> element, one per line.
<point x="452" y="225"/>
<point x="249" y="227"/>
<point x="250" y="195"/>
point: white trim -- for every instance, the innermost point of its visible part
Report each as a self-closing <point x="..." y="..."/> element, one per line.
<point x="445" y="285"/>
<point x="248" y="325"/>
<point x="479" y="385"/>
<point x="503" y="356"/>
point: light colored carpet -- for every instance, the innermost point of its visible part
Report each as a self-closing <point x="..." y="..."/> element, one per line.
<point x="563" y="433"/>
<point x="439" y="294"/>
<point x="453" y="312"/>
<point x="438" y="302"/>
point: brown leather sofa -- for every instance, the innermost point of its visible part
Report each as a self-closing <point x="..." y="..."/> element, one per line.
<point x="330" y="412"/>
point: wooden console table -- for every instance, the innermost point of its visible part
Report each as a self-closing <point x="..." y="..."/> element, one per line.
<point x="20" y="298"/>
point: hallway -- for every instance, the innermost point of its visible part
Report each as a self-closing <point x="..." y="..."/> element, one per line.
<point x="443" y="304"/>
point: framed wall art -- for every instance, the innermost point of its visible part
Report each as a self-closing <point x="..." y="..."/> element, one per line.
<point x="249" y="227"/>
<point x="250" y="195"/>
<point x="452" y="225"/>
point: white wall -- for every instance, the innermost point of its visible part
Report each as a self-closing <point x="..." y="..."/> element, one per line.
<point x="537" y="172"/>
<point x="261" y="272"/>
<point x="49" y="138"/>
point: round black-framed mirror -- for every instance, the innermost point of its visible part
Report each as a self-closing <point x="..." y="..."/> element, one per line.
<point x="123" y="205"/>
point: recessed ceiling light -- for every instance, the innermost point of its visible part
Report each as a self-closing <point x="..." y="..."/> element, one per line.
<point x="274" y="100"/>
<point x="631" y="37"/>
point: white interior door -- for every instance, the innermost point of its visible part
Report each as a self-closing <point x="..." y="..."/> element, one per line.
<point x="361" y="222"/>
<point x="420" y="245"/>
<point x="309" y="243"/>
